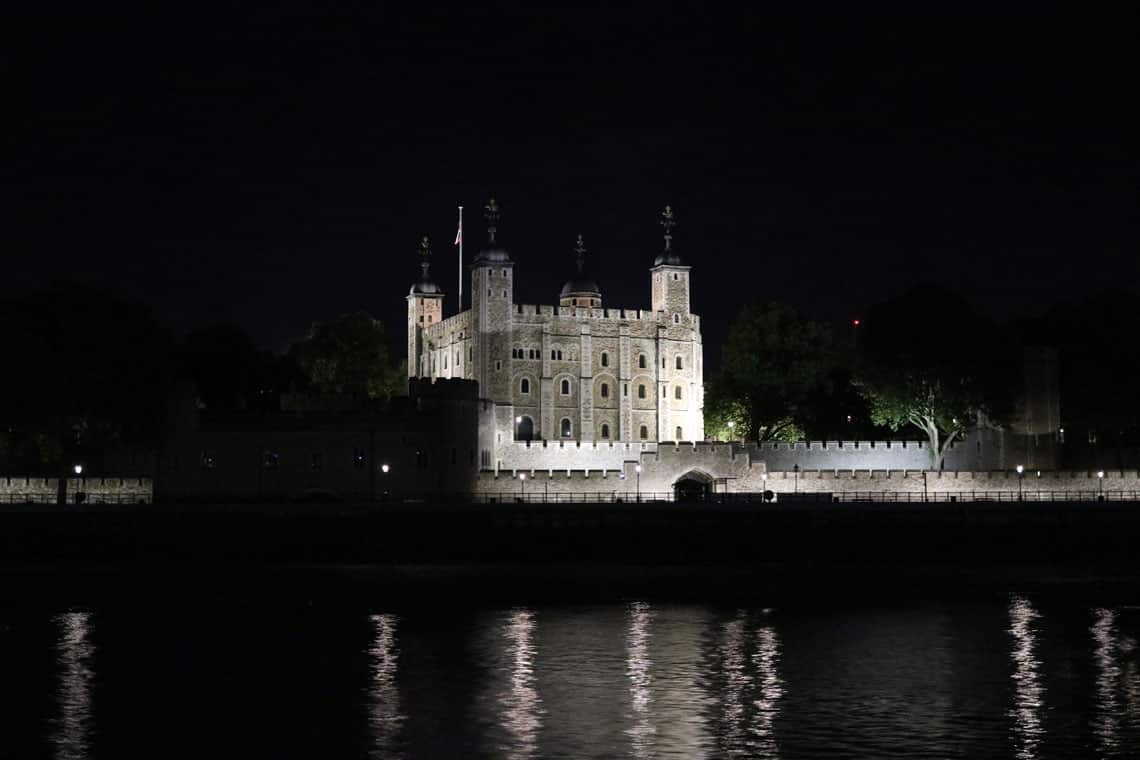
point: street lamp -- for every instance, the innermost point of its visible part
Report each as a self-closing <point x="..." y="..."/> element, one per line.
<point x="731" y="432"/>
<point x="763" y="487"/>
<point x="796" y="470"/>
<point x="78" y="469"/>
<point x="1100" y="478"/>
<point x="522" y="484"/>
<point x="1020" y="481"/>
<point x="384" y="468"/>
<point x="637" y="469"/>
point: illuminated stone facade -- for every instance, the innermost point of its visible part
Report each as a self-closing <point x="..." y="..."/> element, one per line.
<point x="597" y="385"/>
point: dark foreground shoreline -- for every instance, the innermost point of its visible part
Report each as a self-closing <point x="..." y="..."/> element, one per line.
<point x="517" y="554"/>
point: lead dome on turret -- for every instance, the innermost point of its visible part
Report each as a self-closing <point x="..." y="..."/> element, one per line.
<point x="580" y="290"/>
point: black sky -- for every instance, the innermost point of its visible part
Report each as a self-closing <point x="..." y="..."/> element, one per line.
<point x="275" y="168"/>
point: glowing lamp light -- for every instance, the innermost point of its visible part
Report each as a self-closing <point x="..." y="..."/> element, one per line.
<point x="1020" y="469"/>
<point x="518" y="420"/>
<point x="384" y="468"/>
<point x="78" y="469"/>
<point x="522" y="476"/>
<point x="1100" y="473"/>
<point x="637" y="469"/>
<point x="855" y="323"/>
<point x="764" y="476"/>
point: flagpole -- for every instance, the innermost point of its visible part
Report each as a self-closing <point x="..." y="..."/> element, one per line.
<point x="460" y="260"/>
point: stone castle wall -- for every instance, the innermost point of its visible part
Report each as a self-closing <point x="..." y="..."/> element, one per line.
<point x="95" y="490"/>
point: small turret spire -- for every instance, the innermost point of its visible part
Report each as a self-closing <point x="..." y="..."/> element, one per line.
<point x="580" y="254"/>
<point x="425" y="258"/>
<point x="491" y="214"/>
<point x="668" y="223"/>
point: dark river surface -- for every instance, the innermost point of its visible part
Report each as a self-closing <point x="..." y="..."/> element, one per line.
<point x="1012" y="676"/>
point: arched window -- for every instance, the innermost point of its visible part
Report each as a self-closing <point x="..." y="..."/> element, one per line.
<point x="680" y="362"/>
<point x="644" y="432"/>
<point x="641" y="361"/>
<point x="605" y="359"/>
<point x="565" y="387"/>
<point x="676" y="317"/>
<point x="605" y="431"/>
<point x="524" y="430"/>
<point x="664" y="392"/>
<point x="566" y="431"/>
<point x="641" y="391"/>
<point x="605" y="390"/>
<point x="524" y="386"/>
<point x="677" y="393"/>
<point x="680" y="435"/>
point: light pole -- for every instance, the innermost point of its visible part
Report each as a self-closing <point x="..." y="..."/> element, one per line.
<point x="1020" y="481"/>
<point x="385" y="469"/>
<point x="522" y="485"/>
<point x="925" y="493"/>
<point x="763" y="487"/>
<point x="796" y="470"/>
<point x="1100" y="478"/>
<point x="731" y="431"/>
<point x="79" y="497"/>
<point x="637" y="469"/>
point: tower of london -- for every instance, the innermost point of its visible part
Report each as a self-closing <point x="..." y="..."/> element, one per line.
<point x="605" y="382"/>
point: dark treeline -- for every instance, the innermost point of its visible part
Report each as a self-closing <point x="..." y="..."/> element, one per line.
<point x="87" y="373"/>
<point x="926" y="364"/>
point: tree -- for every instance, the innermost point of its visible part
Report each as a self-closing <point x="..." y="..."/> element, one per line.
<point x="1096" y="339"/>
<point x="775" y="365"/>
<point x="87" y="372"/>
<point x="929" y="361"/>
<point x="348" y="355"/>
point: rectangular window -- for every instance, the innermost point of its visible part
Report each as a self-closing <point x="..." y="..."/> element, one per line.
<point x="625" y="390"/>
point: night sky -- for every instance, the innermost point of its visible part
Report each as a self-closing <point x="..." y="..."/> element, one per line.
<point x="276" y="168"/>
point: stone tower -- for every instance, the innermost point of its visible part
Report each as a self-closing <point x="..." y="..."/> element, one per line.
<point x="425" y="308"/>
<point x="492" y="284"/>
<point x="679" y="369"/>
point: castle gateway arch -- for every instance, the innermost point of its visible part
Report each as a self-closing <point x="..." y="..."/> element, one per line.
<point x="694" y="485"/>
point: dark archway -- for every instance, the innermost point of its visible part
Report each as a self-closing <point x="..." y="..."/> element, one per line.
<point x="693" y="486"/>
<point x="524" y="429"/>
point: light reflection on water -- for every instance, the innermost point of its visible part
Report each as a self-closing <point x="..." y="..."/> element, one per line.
<point x="638" y="662"/>
<point x="1029" y="693"/>
<point x="520" y="706"/>
<point x="766" y="660"/>
<point x="751" y="689"/>
<point x="1001" y="679"/>
<point x="72" y="734"/>
<point x="384" y="716"/>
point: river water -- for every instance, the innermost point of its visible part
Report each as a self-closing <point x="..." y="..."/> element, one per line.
<point x="1013" y="677"/>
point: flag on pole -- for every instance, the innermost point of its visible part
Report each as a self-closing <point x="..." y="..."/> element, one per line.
<point x="459" y="234"/>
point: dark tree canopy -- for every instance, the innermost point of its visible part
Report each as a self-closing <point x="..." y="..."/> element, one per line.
<point x="1098" y="344"/>
<point x="230" y="373"/>
<point x="926" y="359"/>
<point x="348" y="355"/>
<point x="775" y="367"/>
<point x="86" y="372"/>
